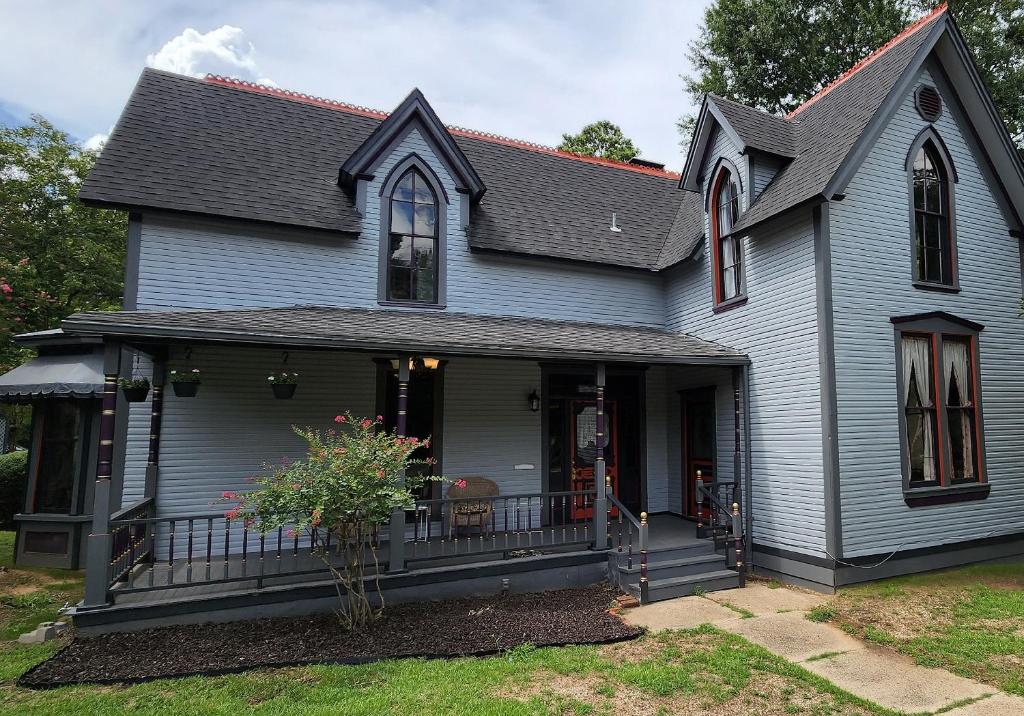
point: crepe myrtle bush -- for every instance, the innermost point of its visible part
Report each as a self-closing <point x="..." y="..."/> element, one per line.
<point x="353" y="477"/>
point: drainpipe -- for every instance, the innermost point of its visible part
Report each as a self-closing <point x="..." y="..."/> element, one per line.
<point x="601" y="485"/>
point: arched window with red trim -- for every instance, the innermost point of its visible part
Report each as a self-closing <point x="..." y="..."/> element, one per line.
<point x="726" y="248"/>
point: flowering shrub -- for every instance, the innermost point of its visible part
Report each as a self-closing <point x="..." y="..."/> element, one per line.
<point x="186" y="376"/>
<point x="283" y="378"/>
<point x="352" y="479"/>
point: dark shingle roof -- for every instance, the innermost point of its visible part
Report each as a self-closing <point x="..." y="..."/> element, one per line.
<point x="191" y="145"/>
<point x="686" y="232"/>
<point x="759" y="130"/>
<point x="413" y="331"/>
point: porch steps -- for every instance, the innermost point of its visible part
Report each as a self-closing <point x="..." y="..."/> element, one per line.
<point x="675" y="571"/>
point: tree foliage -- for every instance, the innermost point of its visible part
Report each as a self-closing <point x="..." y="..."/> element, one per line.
<point x="600" y="139"/>
<point x="775" y="54"/>
<point x="57" y="256"/>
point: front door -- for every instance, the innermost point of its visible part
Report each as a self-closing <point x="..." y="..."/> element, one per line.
<point x="698" y="441"/>
<point x="584" y="451"/>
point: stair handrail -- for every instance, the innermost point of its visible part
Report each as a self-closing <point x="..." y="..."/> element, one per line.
<point x="732" y="517"/>
<point x="642" y="532"/>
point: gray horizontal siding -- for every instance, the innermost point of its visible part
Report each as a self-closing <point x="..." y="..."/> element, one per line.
<point x="777" y="329"/>
<point x="189" y="263"/>
<point x="658" y="406"/>
<point x="871" y="270"/>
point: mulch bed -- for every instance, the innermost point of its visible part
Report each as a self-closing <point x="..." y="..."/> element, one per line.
<point x="461" y="627"/>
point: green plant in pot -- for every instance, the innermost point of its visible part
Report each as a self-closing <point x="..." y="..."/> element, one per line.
<point x="186" y="382"/>
<point x="135" y="390"/>
<point x="283" y="384"/>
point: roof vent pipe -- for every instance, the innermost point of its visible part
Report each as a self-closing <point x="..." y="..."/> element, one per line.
<point x="615" y="225"/>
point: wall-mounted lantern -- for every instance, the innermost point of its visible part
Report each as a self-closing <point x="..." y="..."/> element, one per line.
<point x="534" y="401"/>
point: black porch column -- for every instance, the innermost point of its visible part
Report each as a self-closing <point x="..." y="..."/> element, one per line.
<point x="155" y="417"/>
<point x="396" y="546"/>
<point x="601" y="485"/>
<point x="99" y="542"/>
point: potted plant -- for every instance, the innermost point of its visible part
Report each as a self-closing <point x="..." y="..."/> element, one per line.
<point x="283" y="384"/>
<point x="185" y="383"/>
<point x="135" y="389"/>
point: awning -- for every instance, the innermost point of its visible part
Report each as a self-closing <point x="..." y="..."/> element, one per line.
<point x="419" y="332"/>
<point x="77" y="375"/>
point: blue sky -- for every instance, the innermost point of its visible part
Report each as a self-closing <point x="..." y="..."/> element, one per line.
<point x="525" y="69"/>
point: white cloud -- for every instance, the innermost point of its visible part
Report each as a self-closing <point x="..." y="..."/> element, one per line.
<point x="224" y="51"/>
<point x="95" y="142"/>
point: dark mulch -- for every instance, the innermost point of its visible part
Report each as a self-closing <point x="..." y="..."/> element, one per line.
<point x="461" y="627"/>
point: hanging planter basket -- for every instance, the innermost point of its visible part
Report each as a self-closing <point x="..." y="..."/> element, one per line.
<point x="185" y="385"/>
<point x="283" y="384"/>
<point x="135" y="390"/>
<point x="284" y="391"/>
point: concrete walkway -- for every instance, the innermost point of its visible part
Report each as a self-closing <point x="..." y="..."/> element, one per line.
<point x="779" y="624"/>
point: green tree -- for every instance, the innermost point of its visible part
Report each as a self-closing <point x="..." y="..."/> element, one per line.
<point x="775" y="54"/>
<point x="57" y="256"/>
<point x="600" y="139"/>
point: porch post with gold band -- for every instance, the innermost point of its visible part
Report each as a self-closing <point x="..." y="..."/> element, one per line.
<point x="600" y="484"/>
<point x="396" y="545"/>
<point x="97" y="570"/>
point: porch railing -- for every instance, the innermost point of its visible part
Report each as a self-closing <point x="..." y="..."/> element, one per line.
<point x="626" y="528"/>
<point x="507" y="524"/>
<point x="718" y="517"/>
<point x="151" y="553"/>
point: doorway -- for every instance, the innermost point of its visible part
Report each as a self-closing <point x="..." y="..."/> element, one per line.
<point x="698" y="442"/>
<point x="570" y="406"/>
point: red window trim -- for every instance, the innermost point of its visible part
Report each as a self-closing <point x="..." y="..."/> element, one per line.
<point x="940" y="400"/>
<point x="716" y="244"/>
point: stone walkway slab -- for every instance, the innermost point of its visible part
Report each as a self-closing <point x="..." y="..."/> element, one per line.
<point x="681" y="613"/>
<point x="896" y="682"/>
<point x="793" y="636"/>
<point x="998" y="705"/>
<point x="762" y="599"/>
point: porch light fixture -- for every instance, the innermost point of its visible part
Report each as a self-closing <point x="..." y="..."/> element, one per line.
<point x="534" y="401"/>
<point x="418" y="363"/>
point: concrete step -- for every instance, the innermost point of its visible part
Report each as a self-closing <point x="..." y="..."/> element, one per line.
<point x="664" y="554"/>
<point x="669" y="569"/>
<point x="661" y="589"/>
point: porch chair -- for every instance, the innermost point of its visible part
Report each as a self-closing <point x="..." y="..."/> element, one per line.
<point x="469" y="512"/>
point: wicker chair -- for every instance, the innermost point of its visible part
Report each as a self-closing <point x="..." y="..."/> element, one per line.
<point x="469" y="512"/>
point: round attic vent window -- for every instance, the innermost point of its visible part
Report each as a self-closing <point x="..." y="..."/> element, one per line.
<point x="929" y="103"/>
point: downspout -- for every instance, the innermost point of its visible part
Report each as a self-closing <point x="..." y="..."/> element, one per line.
<point x="748" y="496"/>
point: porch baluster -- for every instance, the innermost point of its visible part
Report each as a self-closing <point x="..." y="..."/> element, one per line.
<point x="396" y="537"/>
<point x="700" y="504"/>
<point x="737" y="533"/>
<point x="209" y="546"/>
<point x="643" y="558"/>
<point x="170" y="556"/>
<point x="188" y="566"/>
<point x="263" y="546"/>
<point x="227" y="545"/>
<point x="245" y="550"/>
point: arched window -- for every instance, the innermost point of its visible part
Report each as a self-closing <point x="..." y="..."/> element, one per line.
<point x="727" y="252"/>
<point x="934" y="252"/>
<point x="412" y="257"/>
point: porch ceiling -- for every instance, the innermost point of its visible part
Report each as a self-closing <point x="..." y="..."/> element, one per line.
<point x="420" y="332"/>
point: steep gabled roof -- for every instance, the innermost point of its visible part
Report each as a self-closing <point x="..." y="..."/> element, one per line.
<point x="227" y="148"/>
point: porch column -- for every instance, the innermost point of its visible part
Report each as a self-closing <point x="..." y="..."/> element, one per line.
<point x="156" y="411"/>
<point x="600" y="484"/>
<point x="396" y="546"/>
<point x="97" y="570"/>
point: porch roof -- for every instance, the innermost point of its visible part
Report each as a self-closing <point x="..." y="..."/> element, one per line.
<point x="421" y="332"/>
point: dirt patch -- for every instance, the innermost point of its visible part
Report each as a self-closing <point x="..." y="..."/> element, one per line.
<point x="462" y="627"/>
<point x="764" y="694"/>
<point x="904" y="617"/>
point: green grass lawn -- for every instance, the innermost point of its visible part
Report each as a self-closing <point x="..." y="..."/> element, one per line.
<point x="695" y="669"/>
<point x="968" y="620"/>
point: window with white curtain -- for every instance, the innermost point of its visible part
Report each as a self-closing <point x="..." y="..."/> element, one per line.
<point x="940" y="416"/>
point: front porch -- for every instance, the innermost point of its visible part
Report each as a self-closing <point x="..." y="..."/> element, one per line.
<point x="575" y="451"/>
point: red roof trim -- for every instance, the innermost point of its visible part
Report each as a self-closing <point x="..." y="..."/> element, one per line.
<point x="904" y="34"/>
<point x="458" y="131"/>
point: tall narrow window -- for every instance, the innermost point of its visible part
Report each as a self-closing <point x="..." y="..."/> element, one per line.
<point x="727" y="250"/>
<point x="919" y="409"/>
<point x="960" y="409"/>
<point x="412" y="241"/>
<point x="933" y="247"/>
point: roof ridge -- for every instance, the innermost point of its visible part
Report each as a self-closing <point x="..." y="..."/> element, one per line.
<point x="871" y="57"/>
<point x="258" y="88"/>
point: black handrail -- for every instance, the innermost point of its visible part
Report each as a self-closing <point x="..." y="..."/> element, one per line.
<point x="732" y="521"/>
<point x="642" y="539"/>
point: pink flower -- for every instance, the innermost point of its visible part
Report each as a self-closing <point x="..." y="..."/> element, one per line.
<point x="414" y="441"/>
<point x="460" y="483"/>
<point x="292" y="534"/>
<point x="23" y="262"/>
<point x="380" y="418"/>
<point x="339" y="418"/>
<point x="233" y="514"/>
<point x="380" y="474"/>
<point x="6" y="288"/>
<point x="296" y="486"/>
<point x="249" y="522"/>
<point x="228" y="495"/>
<point x="366" y="423"/>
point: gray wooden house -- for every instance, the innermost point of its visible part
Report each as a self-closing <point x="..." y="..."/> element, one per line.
<point x="801" y="356"/>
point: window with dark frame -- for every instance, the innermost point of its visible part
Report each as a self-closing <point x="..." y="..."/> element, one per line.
<point x="933" y="245"/>
<point x="55" y="464"/>
<point x="412" y="241"/>
<point x="728" y="255"/>
<point x="940" y="408"/>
